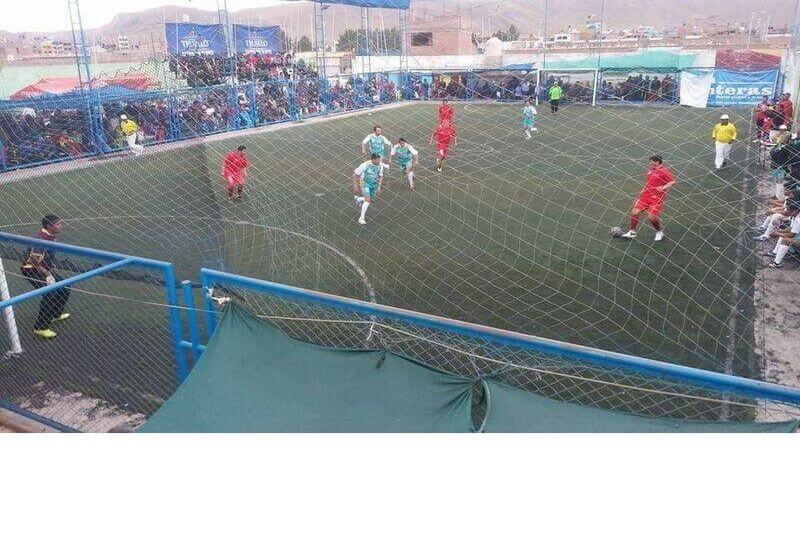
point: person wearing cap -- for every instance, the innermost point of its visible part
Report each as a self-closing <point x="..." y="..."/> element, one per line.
<point x="38" y="268"/>
<point x="724" y="136"/>
<point x="130" y="130"/>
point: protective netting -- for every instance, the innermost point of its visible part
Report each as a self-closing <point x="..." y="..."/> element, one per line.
<point x="514" y="233"/>
<point x="553" y="377"/>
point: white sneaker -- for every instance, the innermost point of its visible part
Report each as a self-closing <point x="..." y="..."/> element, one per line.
<point x="630" y="235"/>
<point x="362" y="221"/>
<point x="527" y="135"/>
<point x="534" y="129"/>
<point x="659" y="236"/>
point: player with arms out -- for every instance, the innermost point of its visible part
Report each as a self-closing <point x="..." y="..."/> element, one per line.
<point x="234" y="172"/>
<point x="406" y="157"/>
<point x="367" y="179"/>
<point x="446" y="112"/>
<point x="529" y="118"/>
<point x="651" y="199"/>
<point x="376" y="143"/>
<point x="443" y="135"/>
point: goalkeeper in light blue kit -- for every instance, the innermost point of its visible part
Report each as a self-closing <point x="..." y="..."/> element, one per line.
<point x="529" y="118"/>
<point x="367" y="179"/>
<point x="375" y="143"/>
<point x="406" y="157"/>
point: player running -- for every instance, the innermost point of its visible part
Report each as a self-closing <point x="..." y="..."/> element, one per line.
<point x="446" y="112"/>
<point x="368" y="178"/>
<point x="406" y="157"/>
<point x="651" y="199"/>
<point x="376" y="142"/>
<point x="234" y="171"/>
<point x="529" y="118"/>
<point x="444" y="135"/>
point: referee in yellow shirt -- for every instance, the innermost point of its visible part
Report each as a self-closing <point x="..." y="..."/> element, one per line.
<point x="724" y="136"/>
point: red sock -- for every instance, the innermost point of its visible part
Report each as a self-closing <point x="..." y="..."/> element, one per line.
<point x="634" y="222"/>
<point x="656" y="224"/>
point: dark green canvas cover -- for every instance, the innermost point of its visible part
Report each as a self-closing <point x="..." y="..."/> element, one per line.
<point x="512" y="410"/>
<point x="253" y="378"/>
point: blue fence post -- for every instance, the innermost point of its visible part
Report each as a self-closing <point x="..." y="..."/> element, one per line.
<point x="208" y="304"/>
<point x="191" y="313"/>
<point x="3" y="160"/>
<point x="170" y="283"/>
<point x="174" y="120"/>
<point x="291" y="88"/>
<point x="234" y="122"/>
<point x="253" y="102"/>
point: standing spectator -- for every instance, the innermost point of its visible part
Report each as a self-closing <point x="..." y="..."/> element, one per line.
<point x="556" y="92"/>
<point x="130" y="130"/>
<point x="39" y="269"/>
<point x="724" y="136"/>
<point x="760" y="115"/>
<point x="786" y="109"/>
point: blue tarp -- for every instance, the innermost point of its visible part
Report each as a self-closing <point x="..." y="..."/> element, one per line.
<point x="256" y="40"/>
<point x="195" y="39"/>
<point x="732" y="88"/>
<point x="388" y="4"/>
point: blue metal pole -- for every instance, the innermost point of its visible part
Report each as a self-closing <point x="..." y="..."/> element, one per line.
<point x="707" y="379"/>
<point x="170" y="283"/>
<point x="191" y="312"/>
<point x="208" y="304"/>
<point x="65" y="282"/>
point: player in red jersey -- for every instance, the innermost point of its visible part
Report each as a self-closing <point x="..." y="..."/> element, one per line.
<point x="446" y="112"/>
<point x="651" y="199"/>
<point x="234" y="168"/>
<point x="444" y="134"/>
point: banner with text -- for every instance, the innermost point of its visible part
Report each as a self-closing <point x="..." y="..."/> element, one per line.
<point x="732" y="88"/>
<point x="186" y="39"/>
<point x="257" y="39"/>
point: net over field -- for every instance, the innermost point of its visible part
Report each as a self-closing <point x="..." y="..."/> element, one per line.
<point x="514" y="233"/>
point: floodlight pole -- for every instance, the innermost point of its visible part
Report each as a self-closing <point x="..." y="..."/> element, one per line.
<point x="599" y="51"/>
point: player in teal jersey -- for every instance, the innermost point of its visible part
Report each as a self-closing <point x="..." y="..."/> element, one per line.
<point x="375" y="143"/>
<point x="529" y="118"/>
<point x="368" y="177"/>
<point x="406" y="157"/>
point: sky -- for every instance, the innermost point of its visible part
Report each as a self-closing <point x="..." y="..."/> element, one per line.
<point x="53" y="15"/>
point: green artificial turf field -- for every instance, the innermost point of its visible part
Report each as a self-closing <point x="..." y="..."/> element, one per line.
<point x="513" y="234"/>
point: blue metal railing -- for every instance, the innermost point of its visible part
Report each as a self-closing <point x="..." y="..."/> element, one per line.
<point x="118" y="261"/>
<point x="713" y="381"/>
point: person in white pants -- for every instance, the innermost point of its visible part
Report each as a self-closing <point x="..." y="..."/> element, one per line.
<point x="130" y="130"/>
<point x="724" y="136"/>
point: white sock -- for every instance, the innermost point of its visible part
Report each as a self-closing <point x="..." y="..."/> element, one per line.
<point x="364" y="208"/>
<point x="779" y="191"/>
<point x="411" y="178"/>
<point x="780" y="252"/>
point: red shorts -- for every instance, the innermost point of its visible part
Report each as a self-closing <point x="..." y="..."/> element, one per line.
<point x="234" y="179"/>
<point x="651" y="204"/>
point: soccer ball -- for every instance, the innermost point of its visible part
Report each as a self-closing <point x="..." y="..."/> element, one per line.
<point x="616" y="231"/>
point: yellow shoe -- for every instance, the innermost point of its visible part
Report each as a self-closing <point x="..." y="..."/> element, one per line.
<point x="46" y="333"/>
<point x="63" y="316"/>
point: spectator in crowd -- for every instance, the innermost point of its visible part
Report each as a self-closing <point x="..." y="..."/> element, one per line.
<point x="130" y="130"/>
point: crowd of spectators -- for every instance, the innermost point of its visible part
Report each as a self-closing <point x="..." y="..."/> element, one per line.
<point x="781" y="224"/>
<point x="30" y="136"/>
<point x="640" y="88"/>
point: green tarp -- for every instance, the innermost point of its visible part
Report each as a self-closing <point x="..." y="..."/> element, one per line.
<point x="253" y="378"/>
<point x="512" y="410"/>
